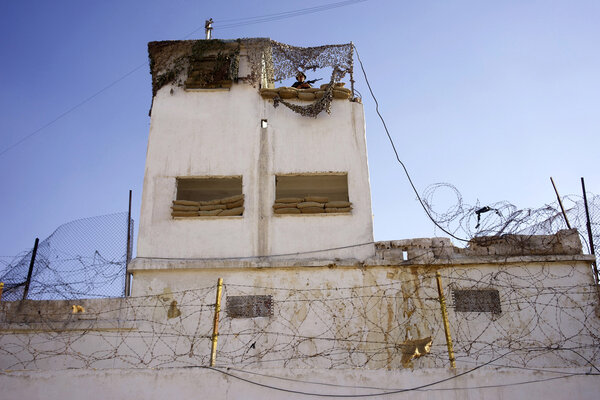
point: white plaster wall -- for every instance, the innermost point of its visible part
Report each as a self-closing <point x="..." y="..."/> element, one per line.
<point x="199" y="383"/>
<point x="217" y="133"/>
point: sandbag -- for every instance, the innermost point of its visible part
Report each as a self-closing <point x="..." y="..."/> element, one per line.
<point x="184" y="214"/>
<point x="210" y="213"/>
<point x="232" y="199"/>
<point x="284" y="205"/>
<point x="338" y="204"/>
<point x="306" y="96"/>
<point x="340" y="84"/>
<point x="232" y="212"/>
<point x="306" y="204"/>
<point x="177" y="207"/>
<point x="287" y="211"/>
<point x="237" y="204"/>
<point x="341" y="94"/>
<point x="319" y="94"/>
<point x="318" y="199"/>
<point x="268" y="93"/>
<point x="213" y="207"/>
<point x="288" y="92"/>
<point x="289" y="200"/>
<point x="210" y="202"/>
<point x="338" y="210"/>
<point x="186" y="203"/>
<point x="312" y="210"/>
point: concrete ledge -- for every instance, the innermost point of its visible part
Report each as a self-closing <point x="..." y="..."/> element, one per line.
<point x="144" y="264"/>
<point x="70" y="326"/>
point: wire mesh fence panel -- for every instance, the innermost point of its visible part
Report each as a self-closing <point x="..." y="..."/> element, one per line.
<point x="85" y="258"/>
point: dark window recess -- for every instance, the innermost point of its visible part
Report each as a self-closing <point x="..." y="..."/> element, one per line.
<point x="208" y="197"/>
<point x="311" y="194"/>
<point x="249" y="306"/>
<point x="477" y="300"/>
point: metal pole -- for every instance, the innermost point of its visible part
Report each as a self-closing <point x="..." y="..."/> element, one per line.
<point x="208" y="28"/>
<point x="352" y="71"/>
<point x="438" y="277"/>
<point x="128" y="251"/>
<point x="589" y="229"/>
<point x="1" y="289"/>
<point x="28" y="281"/>
<point x="560" y="203"/>
<point x="215" y="335"/>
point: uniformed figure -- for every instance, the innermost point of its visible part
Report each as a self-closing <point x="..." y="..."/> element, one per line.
<point x="301" y="81"/>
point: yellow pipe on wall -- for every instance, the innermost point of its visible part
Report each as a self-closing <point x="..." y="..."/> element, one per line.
<point x="438" y="277"/>
<point x="215" y="335"/>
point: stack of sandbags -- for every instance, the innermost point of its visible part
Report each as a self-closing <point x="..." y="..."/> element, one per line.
<point x="310" y="94"/>
<point x="310" y="205"/>
<point x="228" y="206"/>
<point x="185" y="208"/>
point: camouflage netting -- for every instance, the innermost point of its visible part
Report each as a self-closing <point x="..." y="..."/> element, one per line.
<point x="173" y="62"/>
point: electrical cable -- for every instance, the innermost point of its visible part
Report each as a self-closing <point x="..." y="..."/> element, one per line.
<point x="73" y="108"/>
<point x="260" y="258"/>
<point x="415" y="388"/>
<point x="398" y="157"/>
<point x="237" y="22"/>
<point x="564" y="375"/>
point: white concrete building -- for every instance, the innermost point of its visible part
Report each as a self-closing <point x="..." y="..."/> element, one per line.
<point x="311" y="306"/>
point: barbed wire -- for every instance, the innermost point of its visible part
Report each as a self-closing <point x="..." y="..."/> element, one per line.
<point x="547" y="320"/>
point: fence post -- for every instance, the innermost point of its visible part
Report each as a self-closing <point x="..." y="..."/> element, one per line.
<point x="445" y="318"/>
<point x="30" y="272"/>
<point x="128" y="251"/>
<point x="215" y="335"/>
<point x="589" y="229"/>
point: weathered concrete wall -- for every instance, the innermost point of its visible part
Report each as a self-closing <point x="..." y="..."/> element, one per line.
<point x="206" y="133"/>
<point x="183" y="383"/>
<point x="330" y="317"/>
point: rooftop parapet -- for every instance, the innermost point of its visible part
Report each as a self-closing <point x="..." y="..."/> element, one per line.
<point x="260" y="62"/>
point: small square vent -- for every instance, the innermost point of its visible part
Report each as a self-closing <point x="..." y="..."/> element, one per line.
<point x="249" y="306"/>
<point x="477" y="300"/>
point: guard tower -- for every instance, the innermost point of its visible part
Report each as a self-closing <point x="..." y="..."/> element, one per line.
<point x="239" y="168"/>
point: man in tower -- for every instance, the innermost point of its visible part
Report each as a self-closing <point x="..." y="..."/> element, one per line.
<point x="301" y="82"/>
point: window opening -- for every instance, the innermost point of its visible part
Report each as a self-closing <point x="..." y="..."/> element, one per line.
<point x="208" y="197"/>
<point x="312" y="194"/>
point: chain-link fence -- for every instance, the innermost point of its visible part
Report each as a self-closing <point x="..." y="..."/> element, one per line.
<point x="85" y="258"/>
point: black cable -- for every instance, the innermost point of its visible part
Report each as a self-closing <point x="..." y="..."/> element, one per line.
<point x="361" y="395"/>
<point x="564" y="375"/>
<point x="259" y="258"/>
<point x="282" y="15"/>
<point x="398" y="157"/>
<point x="76" y="106"/>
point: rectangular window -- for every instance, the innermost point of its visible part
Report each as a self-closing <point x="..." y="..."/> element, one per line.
<point x="312" y="194"/>
<point x="477" y="300"/>
<point x="208" y="197"/>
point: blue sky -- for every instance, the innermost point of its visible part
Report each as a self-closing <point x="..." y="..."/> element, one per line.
<point x="492" y="97"/>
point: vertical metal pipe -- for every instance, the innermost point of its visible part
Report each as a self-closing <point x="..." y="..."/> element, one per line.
<point x="30" y="272"/>
<point x="128" y="251"/>
<point x="1" y="289"/>
<point x="589" y="229"/>
<point x="560" y="203"/>
<point x="438" y="277"/>
<point x="215" y="335"/>
<point x="352" y="70"/>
